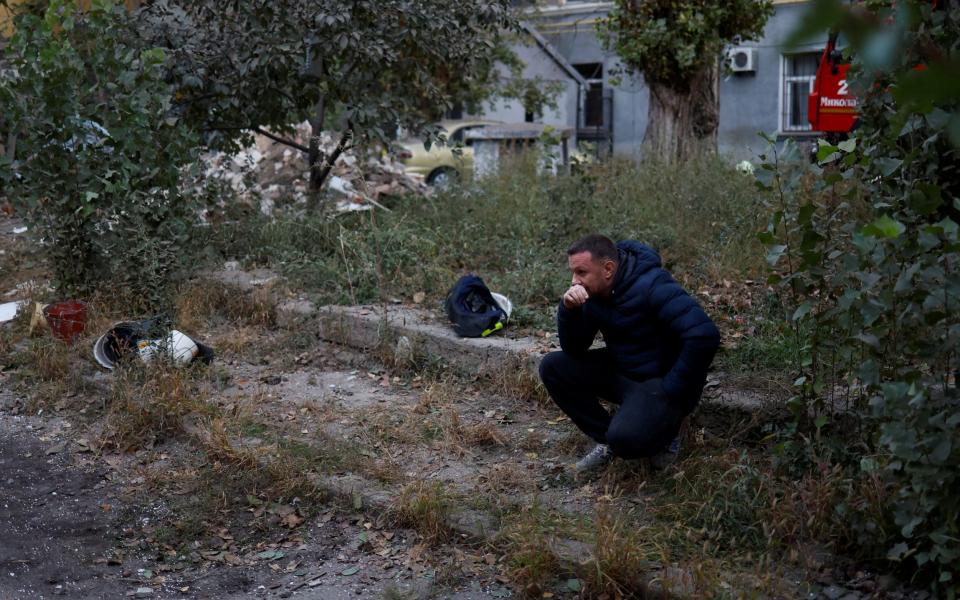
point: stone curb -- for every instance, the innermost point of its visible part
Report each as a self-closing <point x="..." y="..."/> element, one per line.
<point x="397" y="331"/>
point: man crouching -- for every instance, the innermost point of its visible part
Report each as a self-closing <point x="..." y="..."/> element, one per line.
<point x="659" y="345"/>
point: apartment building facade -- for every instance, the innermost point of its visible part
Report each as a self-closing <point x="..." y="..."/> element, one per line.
<point x="764" y="91"/>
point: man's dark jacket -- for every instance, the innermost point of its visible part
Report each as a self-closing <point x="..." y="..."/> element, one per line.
<point x="651" y="326"/>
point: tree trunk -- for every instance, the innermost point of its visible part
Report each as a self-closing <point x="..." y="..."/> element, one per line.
<point x="342" y="145"/>
<point x="682" y="124"/>
<point x="316" y="158"/>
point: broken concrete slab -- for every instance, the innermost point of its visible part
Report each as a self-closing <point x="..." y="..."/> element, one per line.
<point x="368" y="327"/>
<point x="394" y="328"/>
<point x="293" y="312"/>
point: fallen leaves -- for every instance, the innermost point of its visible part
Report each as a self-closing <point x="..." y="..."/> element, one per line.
<point x="292" y="520"/>
<point x="270" y="555"/>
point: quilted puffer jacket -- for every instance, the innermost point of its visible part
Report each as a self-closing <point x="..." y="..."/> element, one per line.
<point x="651" y="326"/>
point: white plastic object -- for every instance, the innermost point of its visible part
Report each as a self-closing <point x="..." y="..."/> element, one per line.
<point x="177" y="345"/>
<point x="503" y="302"/>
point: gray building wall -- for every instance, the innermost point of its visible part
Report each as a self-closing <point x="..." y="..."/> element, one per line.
<point x="539" y="64"/>
<point x="752" y="102"/>
<point x="572" y="31"/>
<point x="749" y="102"/>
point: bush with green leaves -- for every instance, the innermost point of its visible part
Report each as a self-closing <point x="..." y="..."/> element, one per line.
<point x="865" y="247"/>
<point x="99" y="153"/>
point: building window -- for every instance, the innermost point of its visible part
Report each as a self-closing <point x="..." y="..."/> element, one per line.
<point x="593" y="105"/>
<point x="799" y="72"/>
<point x="455" y="112"/>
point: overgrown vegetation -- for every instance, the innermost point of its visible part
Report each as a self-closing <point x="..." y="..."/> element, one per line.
<point x="426" y="508"/>
<point x="356" y="69"/>
<point x="865" y="248"/>
<point x="512" y="231"/>
<point x="863" y="245"/>
<point x="98" y="152"/>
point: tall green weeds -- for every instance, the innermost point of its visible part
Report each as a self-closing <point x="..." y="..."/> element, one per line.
<point x="512" y="230"/>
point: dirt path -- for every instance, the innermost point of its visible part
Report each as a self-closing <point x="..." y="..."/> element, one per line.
<point x="72" y="527"/>
<point x="57" y="521"/>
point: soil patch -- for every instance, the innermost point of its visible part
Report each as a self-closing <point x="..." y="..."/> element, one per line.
<point x="57" y="521"/>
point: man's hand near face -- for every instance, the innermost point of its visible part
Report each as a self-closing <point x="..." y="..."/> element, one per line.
<point x="575" y="297"/>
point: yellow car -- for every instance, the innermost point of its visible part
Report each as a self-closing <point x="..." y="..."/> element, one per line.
<point x="440" y="165"/>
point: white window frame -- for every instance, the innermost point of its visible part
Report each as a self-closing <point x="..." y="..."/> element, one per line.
<point x="783" y="99"/>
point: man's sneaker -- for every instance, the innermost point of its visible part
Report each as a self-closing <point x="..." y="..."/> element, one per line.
<point x="596" y="458"/>
<point x="666" y="457"/>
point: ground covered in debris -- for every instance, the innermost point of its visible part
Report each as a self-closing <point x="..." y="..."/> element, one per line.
<point x="79" y="524"/>
<point x="295" y="466"/>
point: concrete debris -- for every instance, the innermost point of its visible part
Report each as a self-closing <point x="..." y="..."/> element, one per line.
<point x="9" y="310"/>
<point x="272" y="174"/>
<point x="293" y="313"/>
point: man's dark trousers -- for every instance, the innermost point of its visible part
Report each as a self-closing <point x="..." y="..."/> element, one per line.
<point x="646" y="422"/>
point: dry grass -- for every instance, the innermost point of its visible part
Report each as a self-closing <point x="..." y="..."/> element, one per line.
<point x="6" y="347"/>
<point x="271" y="483"/>
<point x="735" y="503"/>
<point x="237" y="340"/>
<point x="201" y="303"/>
<point x="390" y="426"/>
<point x="626" y="478"/>
<point x="528" y="540"/>
<point x="433" y="419"/>
<point x="573" y="445"/>
<point x="440" y="394"/>
<point x="424" y="507"/>
<point x="149" y="403"/>
<point x="215" y="439"/>
<point x="483" y="435"/>
<point x="48" y="360"/>
<point x="459" y="437"/>
<point x="542" y="546"/>
<point x="622" y="554"/>
<point x="49" y="374"/>
<point x="508" y="479"/>
<point x="532" y="441"/>
<point x="517" y="379"/>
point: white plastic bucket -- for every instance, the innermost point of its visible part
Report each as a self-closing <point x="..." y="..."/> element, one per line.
<point x="176" y="345"/>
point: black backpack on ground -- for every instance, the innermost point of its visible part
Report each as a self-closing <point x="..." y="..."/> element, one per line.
<point x="472" y="309"/>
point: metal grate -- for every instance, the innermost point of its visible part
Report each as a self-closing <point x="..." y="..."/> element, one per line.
<point x="799" y="73"/>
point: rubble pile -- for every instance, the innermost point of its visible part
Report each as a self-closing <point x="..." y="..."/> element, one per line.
<point x="271" y="173"/>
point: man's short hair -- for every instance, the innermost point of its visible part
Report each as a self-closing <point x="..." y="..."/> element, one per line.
<point x="599" y="246"/>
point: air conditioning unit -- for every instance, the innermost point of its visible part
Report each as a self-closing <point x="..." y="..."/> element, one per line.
<point x="742" y="59"/>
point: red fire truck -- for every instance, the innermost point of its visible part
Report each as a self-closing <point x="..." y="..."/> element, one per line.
<point x="831" y="107"/>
